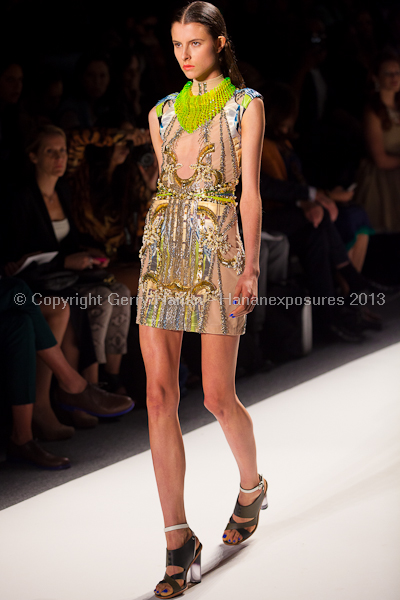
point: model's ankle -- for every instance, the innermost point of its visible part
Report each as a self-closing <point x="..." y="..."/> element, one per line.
<point x="176" y="539"/>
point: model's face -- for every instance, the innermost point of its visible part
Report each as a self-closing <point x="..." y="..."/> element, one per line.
<point x="389" y="76"/>
<point x="11" y="84"/>
<point x="196" y="50"/>
<point x="51" y="157"/>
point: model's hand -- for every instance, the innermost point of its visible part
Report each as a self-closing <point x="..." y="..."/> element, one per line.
<point x="245" y="296"/>
<point x="313" y="212"/>
<point x="80" y="261"/>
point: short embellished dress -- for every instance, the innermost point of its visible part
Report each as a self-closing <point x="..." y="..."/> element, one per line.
<point x="192" y="255"/>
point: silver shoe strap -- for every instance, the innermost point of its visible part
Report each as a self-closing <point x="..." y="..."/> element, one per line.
<point x="255" y="489"/>
<point x="173" y="527"/>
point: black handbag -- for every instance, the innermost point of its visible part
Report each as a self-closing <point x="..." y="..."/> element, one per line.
<point x="43" y="278"/>
<point x="91" y="277"/>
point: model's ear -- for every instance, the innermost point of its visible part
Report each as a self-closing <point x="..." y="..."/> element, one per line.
<point x="220" y="43"/>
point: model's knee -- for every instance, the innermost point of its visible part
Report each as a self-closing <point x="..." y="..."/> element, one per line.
<point x="220" y="404"/>
<point x="161" y="401"/>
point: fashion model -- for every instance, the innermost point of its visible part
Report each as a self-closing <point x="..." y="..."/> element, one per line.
<point x="194" y="275"/>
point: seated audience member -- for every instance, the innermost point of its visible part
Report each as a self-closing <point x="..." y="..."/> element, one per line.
<point x="43" y="223"/>
<point x="44" y="96"/>
<point x="25" y="335"/>
<point x="125" y="88"/>
<point x="90" y="99"/>
<point x="305" y="214"/>
<point x="110" y="189"/>
<point x="378" y="178"/>
<point x="11" y="136"/>
<point x="274" y="256"/>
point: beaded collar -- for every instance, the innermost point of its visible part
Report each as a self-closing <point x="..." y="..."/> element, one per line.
<point x="194" y="111"/>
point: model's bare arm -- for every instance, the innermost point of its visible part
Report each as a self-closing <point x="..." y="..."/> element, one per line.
<point x="156" y="140"/>
<point x="250" y="203"/>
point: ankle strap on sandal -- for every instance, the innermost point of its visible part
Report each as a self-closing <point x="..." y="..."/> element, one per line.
<point x="260" y="486"/>
<point x="174" y="527"/>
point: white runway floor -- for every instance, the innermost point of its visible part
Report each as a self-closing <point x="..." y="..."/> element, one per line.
<point x="330" y="451"/>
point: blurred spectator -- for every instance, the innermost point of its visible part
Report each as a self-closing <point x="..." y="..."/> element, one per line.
<point x="126" y="91"/>
<point x="379" y="175"/>
<point x="43" y="223"/>
<point x="25" y="333"/>
<point x="44" y="98"/>
<point x="11" y="137"/>
<point x="90" y="99"/>
<point x="110" y="191"/>
<point x="304" y="213"/>
<point x="393" y="23"/>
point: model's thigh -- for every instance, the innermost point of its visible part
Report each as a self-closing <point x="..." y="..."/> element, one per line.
<point x="218" y="365"/>
<point x="161" y="350"/>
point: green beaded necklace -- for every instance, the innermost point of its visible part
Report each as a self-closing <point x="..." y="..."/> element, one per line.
<point x="193" y="111"/>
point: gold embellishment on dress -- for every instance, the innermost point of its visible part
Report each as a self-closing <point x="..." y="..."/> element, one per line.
<point x="203" y="285"/>
<point x="202" y="171"/>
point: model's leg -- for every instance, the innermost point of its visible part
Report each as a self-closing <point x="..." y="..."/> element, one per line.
<point x="218" y="360"/>
<point x="161" y="352"/>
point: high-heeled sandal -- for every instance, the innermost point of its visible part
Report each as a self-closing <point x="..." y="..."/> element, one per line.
<point x="188" y="558"/>
<point x="248" y="512"/>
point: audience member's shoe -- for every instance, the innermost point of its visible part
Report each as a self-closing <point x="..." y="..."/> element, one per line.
<point x="383" y="288"/>
<point x="345" y="333"/>
<point x="95" y="401"/>
<point x="370" y="320"/>
<point x="46" y="426"/>
<point x="346" y="325"/>
<point x="114" y="383"/>
<point x="83" y="420"/>
<point x="33" y="454"/>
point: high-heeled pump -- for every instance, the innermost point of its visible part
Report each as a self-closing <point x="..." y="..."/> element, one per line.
<point x="188" y="558"/>
<point x="251" y="512"/>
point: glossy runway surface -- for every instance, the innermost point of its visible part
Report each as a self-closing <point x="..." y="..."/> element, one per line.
<point x="330" y="451"/>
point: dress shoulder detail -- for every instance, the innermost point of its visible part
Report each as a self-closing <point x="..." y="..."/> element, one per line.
<point x="245" y="96"/>
<point x="160" y="104"/>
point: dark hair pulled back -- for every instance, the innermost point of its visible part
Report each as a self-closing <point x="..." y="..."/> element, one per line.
<point x="210" y="16"/>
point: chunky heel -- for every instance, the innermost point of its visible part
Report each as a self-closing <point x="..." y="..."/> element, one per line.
<point x="195" y="570"/>
<point x="264" y="505"/>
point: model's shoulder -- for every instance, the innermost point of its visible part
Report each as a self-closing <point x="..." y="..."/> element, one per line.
<point x="161" y="103"/>
<point x="245" y="95"/>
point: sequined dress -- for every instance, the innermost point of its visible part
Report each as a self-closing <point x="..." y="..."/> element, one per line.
<point x="192" y="255"/>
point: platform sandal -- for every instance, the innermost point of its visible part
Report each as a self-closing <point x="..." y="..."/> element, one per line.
<point x="251" y="512"/>
<point x="188" y="558"/>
